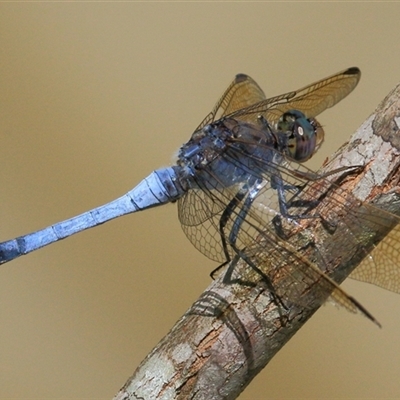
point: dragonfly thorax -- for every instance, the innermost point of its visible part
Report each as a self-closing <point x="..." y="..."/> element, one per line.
<point x="203" y="147"/>
<point x="225" y="153"/>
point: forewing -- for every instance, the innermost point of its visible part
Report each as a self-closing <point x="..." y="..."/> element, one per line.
<point x="311" y="100"/>
<point x="241" y="93"/>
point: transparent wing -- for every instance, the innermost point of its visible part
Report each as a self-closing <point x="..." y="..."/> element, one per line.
<point x="199" y="212"/>
<point x="244" y="100"/>
<point x="311" y="100"/>
<point x="381" y="267"/>
<point x="241" y="93"/>
<point x="293" y="256"/>
<point x="360" y="234"/>
<point x="301" y="258"/>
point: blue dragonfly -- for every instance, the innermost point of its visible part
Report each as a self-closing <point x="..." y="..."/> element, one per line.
<point x="238" y="183"/>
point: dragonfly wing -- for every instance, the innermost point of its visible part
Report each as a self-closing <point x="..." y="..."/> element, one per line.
<point x="299" y="263"/>
<point x="346" y="228"/>
<point x="310" y="100"/>
<point x="301" y="281"/>
<point x="381" y="266"/>
<point x="199" y="212"/>
<point x="285" y="262"/>
<point x="241" y="93"/>
<point x="214" y="220"/>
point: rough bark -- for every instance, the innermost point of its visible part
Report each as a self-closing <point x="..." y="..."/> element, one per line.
<point x="233" y="330"/>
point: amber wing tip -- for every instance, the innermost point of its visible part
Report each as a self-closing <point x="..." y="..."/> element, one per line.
<point x="240" y="77"/>
<point x="353" y="71"/>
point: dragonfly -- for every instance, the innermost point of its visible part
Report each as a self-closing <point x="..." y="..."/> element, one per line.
<point x="238" y="183"/>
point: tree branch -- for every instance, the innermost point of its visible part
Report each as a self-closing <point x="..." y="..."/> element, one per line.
<point x="233" y="330"/>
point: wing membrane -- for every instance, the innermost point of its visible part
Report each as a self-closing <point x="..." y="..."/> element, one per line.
<point x="311" y="100"/>
<point x="283" y="261"/>
<point x="201" y="210"/>
<point x="241" y="93"/>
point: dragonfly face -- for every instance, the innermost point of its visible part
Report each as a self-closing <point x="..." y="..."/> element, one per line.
<point x="304" y="135"/>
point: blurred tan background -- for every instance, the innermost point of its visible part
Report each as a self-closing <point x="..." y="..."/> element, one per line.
<point x="93" y="97"/>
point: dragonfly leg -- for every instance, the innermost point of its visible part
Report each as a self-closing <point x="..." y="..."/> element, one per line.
<point x="222" y="223"/>
<point x="242" y="255"/>
<point x="215" y="270"/>
<point x="278" y="184"/>
<point x="229" y="213"/>
<point x="226" y="216"/>
<point x="284" y="205"/>
<point x="234" y="233"/>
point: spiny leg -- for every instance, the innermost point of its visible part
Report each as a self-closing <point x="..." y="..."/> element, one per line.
<point x="281" y="187"/>
<point x="284" y="205"/>
<point x="222" y="223"/>
<point x="234" y="233"/>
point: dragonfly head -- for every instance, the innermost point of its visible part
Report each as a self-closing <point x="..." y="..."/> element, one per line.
<point x="304" y="135"/>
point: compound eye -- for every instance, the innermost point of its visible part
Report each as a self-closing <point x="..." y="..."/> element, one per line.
<point x="286" y="121"/>
<point x="302" y="141"/>
<point x="319" y="132"/>
<point x="304" y="136"/>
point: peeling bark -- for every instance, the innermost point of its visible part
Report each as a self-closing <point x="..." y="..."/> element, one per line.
<point x="232" y="331"/>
